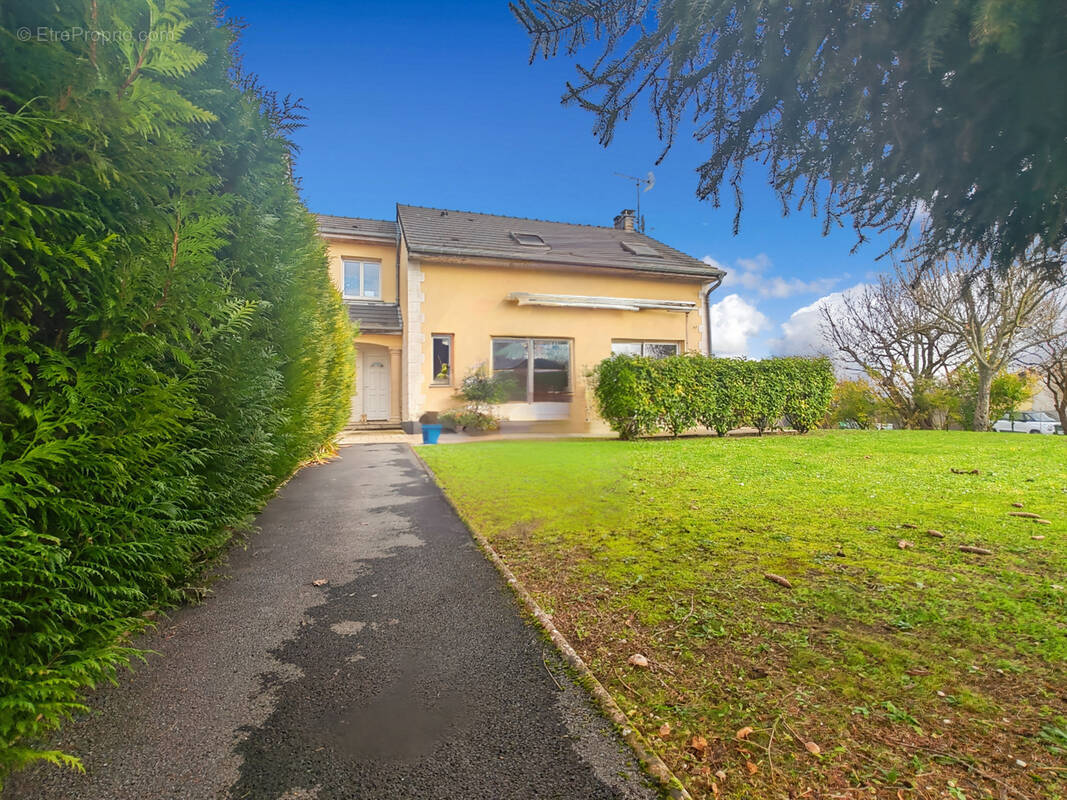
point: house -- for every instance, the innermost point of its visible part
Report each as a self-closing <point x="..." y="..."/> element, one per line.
<point x="437" y="293"/>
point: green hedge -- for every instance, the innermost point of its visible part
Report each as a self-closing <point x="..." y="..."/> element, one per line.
<point x="639" y="396"/>
<point x="171" y="347"/>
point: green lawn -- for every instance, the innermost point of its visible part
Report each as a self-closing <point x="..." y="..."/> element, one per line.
<point x="920" y="671"/>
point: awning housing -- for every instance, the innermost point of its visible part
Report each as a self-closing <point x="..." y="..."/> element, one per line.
<point x="610" y="303"/>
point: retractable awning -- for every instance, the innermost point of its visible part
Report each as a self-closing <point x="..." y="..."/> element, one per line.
<point x="610" y="303"/>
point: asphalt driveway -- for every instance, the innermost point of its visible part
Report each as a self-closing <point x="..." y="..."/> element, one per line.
<point x="410" y="673"/>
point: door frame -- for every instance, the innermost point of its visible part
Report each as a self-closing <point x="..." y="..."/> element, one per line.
<point x="379" y="353"/>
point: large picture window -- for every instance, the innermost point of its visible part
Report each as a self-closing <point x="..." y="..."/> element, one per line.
<point x="539" y="369"/>
<point x="650" y="349"/>
<point x="362" y="279"/>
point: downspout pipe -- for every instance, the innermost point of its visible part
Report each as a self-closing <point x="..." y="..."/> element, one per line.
<point x="707" y="308"/>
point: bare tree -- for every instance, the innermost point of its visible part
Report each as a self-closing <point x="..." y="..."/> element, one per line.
<point x="900" y="346"/>
<point x="997" y="314"/>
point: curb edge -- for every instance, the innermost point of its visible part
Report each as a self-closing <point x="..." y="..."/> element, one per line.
<point x="651" y="762"/>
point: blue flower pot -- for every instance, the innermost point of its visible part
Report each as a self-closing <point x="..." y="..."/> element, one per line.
<point x="430" y="433"/>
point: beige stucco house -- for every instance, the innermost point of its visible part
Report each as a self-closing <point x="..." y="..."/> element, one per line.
<point x="438" y="293"/>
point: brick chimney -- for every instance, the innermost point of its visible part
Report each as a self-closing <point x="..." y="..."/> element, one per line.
<point x="624" y="220"/>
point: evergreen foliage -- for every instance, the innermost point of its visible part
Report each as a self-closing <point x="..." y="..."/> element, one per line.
<point x="872" y="111"/>
<point x="639" y="396"/>
<point x="171" y="348"/>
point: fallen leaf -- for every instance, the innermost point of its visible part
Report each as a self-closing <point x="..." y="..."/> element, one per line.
<point x="935" y="534"/>
<point x="1024" y="514"/>
<point x="812" y="748"/>
<point x="752" y="768"/>
<point x="720" y="774"/>
<point x="1042" y="522"/>
<point x="715" y="789"/>
<point x="908" y="525"/>
<point x="319" y="582"/>
<point x="665" y="730"/>
<point x="966" y="548"/>
<point x="904" y="544"/>
<point x="778" y="579"/>
<point x="1038" y="538"/>
<point x="699" y="743"/>
<point x="744" y="732"/>
<point x="1017" y="505"/>
<point x="638" y="660"/>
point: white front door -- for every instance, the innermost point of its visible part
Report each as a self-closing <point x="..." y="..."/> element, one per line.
<point x="376" y="386"/>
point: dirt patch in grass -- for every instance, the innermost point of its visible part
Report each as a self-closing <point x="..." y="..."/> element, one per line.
<point x="922" y="672"/>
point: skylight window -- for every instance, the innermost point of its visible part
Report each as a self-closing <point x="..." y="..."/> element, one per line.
<point x="528" y="239"/>
<point x="640" y="249"/>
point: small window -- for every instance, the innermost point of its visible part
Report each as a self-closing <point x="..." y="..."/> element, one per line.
<point x="528" y="239"/>
<point x="442" y="359"/>
<point x="649" y="349"/>
<point x="362" y="279"/>
<point x="640" y="249"/>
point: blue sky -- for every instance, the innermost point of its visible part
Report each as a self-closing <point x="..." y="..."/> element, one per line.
<point x="436" y="104"/>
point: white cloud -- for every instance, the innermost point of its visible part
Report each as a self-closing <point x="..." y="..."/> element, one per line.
<point x="802" y="334"/>
<point x="733" y="322"/>
<point x="751" y="274"/>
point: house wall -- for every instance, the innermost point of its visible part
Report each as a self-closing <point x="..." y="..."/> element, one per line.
<point x="469" y="303"/>
<point x="339" y="249"/>
<point x="1042" y="399"/>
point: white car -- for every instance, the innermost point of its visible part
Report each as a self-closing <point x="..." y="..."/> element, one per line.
<point x="1028" y="422"/>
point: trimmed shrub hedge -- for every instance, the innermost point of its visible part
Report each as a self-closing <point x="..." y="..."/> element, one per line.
<point x="639" y="396"/>
<point x="171" y="347"/>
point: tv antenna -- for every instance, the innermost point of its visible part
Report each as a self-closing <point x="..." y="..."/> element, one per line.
<point x="648" y="182"/>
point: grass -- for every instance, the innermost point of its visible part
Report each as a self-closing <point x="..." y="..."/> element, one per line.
<point x="919" y="671"/>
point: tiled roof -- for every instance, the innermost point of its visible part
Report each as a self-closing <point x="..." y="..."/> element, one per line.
<point x="356" y="226"/>
<point x="375" y="317"/>
<point x="441" y="232"/>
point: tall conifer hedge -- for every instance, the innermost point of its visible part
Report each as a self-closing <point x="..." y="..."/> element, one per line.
<point x="171" y="347"/>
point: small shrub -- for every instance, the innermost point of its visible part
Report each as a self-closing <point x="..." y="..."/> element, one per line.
<point x="480" y="392"/>
<point x="855" y="404"/>
<point x="464" y="419"/>
<point x="623" y="386"/>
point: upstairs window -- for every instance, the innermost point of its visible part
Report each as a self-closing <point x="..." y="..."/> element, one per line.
<point x="362" y="280"/>
<point x="539" y="369"/>
<point x="649" y="349"/>
<point x="442" y="359"/>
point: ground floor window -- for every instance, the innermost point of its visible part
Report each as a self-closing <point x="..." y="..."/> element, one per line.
<point x="442" y="359"/>
<point x="650" y="349"/>
<point x="539" y="369"/>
